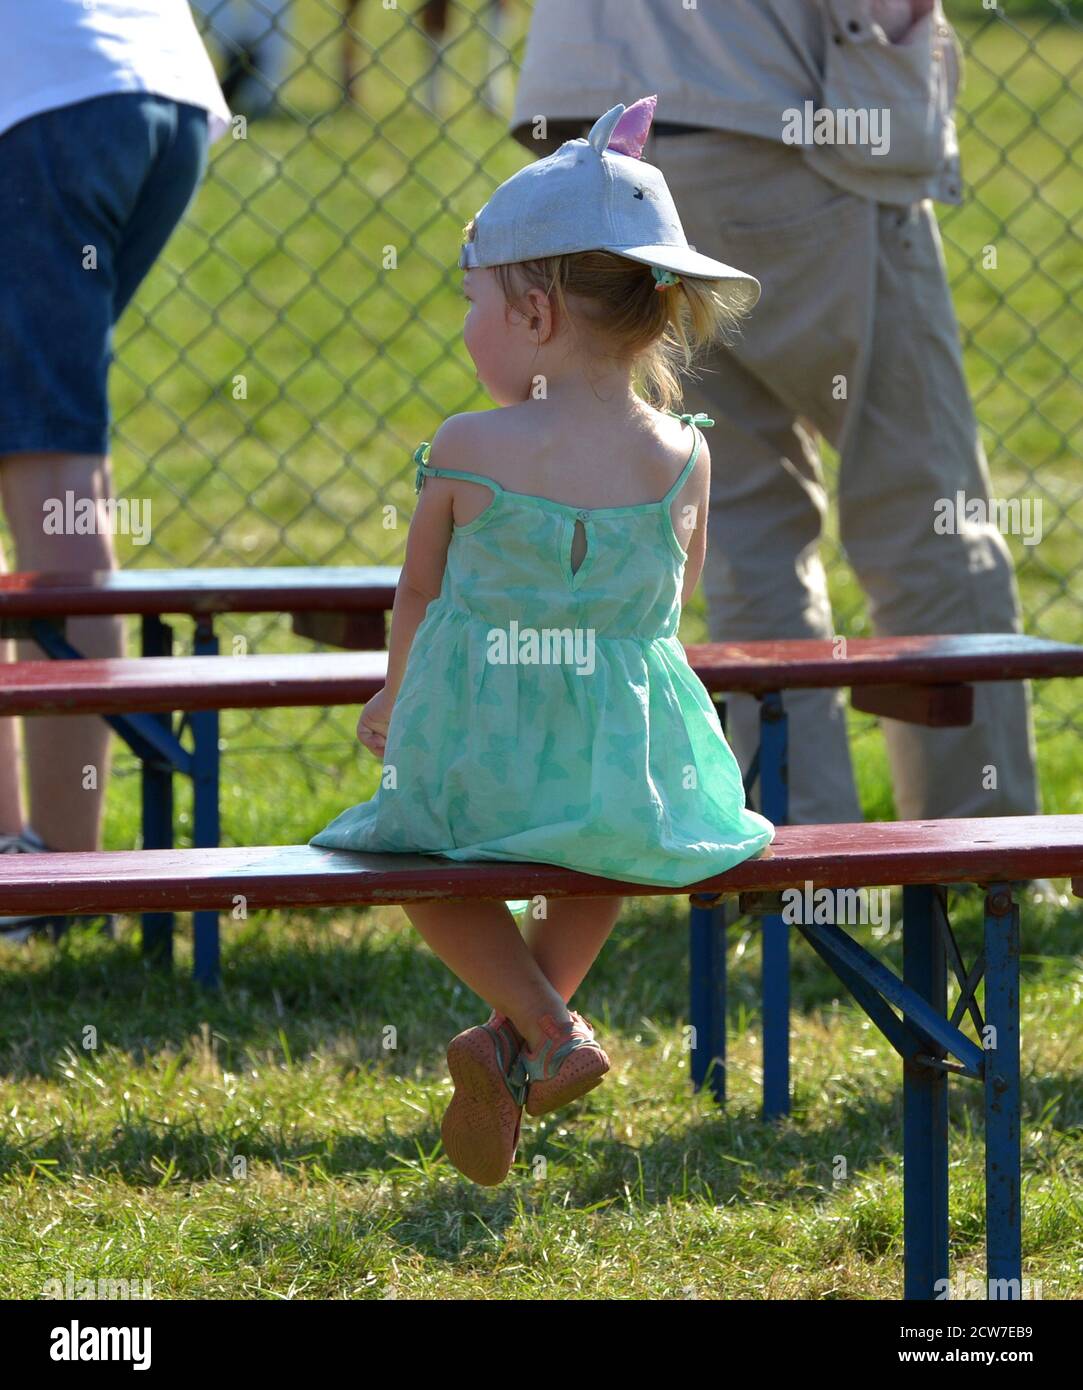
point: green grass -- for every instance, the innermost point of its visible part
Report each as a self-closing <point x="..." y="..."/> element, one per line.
<point x="118" y="1160"/>
<point x="265" y="1143"/>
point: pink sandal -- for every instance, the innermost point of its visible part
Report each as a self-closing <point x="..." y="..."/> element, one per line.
<point x="481" y="1127"/>
<point x="568" y="1063"/>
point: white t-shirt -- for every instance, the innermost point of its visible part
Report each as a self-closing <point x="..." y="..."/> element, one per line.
<point x="56" y="52"/>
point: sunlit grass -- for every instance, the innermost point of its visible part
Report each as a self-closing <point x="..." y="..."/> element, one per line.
<point x="266" y="1143"/>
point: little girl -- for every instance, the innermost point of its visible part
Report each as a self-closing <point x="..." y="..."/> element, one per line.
<point x="538" y="704"/>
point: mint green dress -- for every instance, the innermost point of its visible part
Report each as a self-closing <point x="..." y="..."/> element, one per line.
<point x="598" y="749"/>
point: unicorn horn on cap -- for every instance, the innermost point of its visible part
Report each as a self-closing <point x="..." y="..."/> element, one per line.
<point x="624" y="129"/>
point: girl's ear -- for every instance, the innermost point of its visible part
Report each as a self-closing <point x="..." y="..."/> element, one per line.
<point x="537" y="312"/>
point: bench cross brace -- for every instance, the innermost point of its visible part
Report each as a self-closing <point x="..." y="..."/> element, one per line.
<point x="922" y="1028"/>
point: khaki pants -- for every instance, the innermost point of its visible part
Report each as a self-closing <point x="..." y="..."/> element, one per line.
<point x="854" y="338"/>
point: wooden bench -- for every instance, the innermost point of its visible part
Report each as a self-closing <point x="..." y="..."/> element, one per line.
<point x="339" y="605"/>
<point x="920" y="680"/>
<point x="923" y="679"/>
<point x="932" y="1042"/>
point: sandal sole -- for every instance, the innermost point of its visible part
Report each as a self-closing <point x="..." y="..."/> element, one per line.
<point x="480" y="1127"/>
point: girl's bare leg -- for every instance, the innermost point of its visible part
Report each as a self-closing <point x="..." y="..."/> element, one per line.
<point x="566" y="942"/>
<point x="521" y="976"/>
<point x="480" y="943"/>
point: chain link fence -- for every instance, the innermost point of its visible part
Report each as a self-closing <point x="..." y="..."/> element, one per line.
<point x="301" y="333"/>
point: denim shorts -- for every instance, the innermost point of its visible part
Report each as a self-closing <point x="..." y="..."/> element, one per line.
<point x="92" y="192"/>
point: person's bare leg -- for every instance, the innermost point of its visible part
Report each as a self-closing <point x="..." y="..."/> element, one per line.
<point x="566" y="941"/>
<point x="12" y="816"/>
<point x="480" y="943"/>
<point x="65" y="799"/>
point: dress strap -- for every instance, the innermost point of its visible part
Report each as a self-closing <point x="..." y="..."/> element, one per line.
<point x="694" y="420"/>
<point x="425" y="470"/>
<point x="699" y="418"/>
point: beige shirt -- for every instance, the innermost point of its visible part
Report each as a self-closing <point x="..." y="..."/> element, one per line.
<point x="762" y="67"/>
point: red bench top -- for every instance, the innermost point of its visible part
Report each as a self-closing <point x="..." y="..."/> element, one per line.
<point x="933" y="660"/>
<point x="275" y="589"/>
<point x="132" y="685"/>
<point x="781" y="664"/>
<point x="840" y="856"/>
<point x="160" y="683"/>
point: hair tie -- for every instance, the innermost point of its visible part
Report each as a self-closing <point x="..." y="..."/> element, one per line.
<point x="665" y="278"/>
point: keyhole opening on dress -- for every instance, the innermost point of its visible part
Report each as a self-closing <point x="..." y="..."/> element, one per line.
<point x="579" y="546"/>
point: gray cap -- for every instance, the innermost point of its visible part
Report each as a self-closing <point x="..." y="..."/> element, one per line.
<point x="589" y="197"/>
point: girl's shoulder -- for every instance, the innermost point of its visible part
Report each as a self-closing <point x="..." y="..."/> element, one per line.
<point x="467" y="442"/>
<point x="502" y="443"/>
<point x="496" y="443"/>
<point x="477" y="433"/>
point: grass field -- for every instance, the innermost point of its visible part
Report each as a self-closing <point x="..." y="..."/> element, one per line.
<point x="264" y="1142"/>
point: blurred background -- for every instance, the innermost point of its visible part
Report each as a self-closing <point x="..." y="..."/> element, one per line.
<point x="301" y="334"/>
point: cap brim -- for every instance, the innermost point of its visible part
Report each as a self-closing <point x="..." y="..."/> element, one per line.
<point x="743" y="290"/>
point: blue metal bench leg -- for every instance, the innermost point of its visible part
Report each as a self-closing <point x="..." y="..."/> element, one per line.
<point x="774" y="804"/>
<point x="1004" y="1255"/>
<point x="707" y="953"/>
<point x="926" y="1038"/>
<point x="206" y="824"/>
<point x="925" y="1112"/>
<point x="157" y="798"/>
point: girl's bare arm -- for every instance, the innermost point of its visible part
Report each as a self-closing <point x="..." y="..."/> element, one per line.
<point x="422" y="573"/>
<point x="698" y="502"/>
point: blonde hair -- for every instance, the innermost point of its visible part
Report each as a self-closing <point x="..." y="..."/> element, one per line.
<point x="660" y="331"/>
